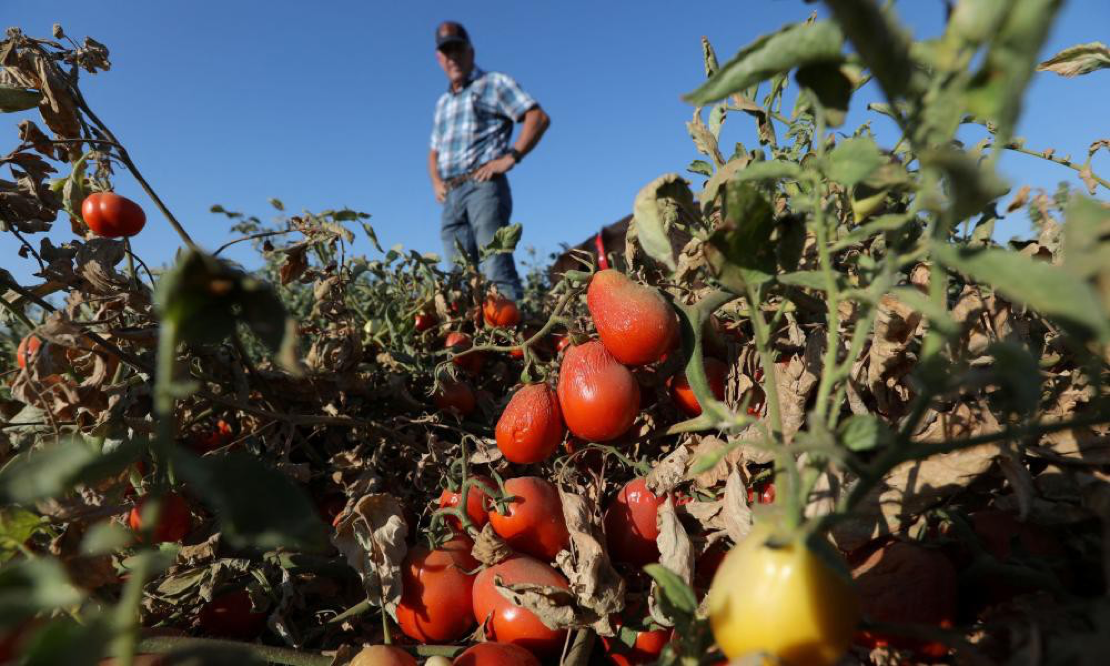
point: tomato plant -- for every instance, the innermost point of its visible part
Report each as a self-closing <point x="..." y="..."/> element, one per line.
<point x="436" y="604"/>
<point x="458" y="342"/>
<point x="598" y="396"/>
<point x="716" y="372"/>
<point x="630" y="524"/>
<point x="477" y="501"/>
<point x="512" y="624"/>
<point x="531" y="427"/>
<point x="533" y="522"/>
<point x="110" y="215"/>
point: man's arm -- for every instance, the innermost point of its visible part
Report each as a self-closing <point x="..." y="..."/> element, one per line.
<point x="438" y="186"/>
<point x="536" y="122"/>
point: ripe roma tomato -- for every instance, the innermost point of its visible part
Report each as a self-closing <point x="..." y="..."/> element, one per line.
<point x="425" y="320"/>
<point x="500" y="312"/>
<point x="457" y="342"/>
<point x="230" y="616"/>
<point x="513" y="624"/>
<point x="496" y="654"/>
<point x="477" y="502"/>
<point x="636" y="324"/>
<point x="630" y="527"/>
<point x="455" y="394"/>
<point x="531" y="426"/>
<point x="174" y="518"/>
<point x="715" y="371"/>
<point x="111" y="216"/>
<point x="599" y="397"/>
<point x="383" y="655"/>
<point x="436" y="602"/>
<point x="534" y="523"/>
<point x="25" y="353"/>
<point x="783" y="600"/>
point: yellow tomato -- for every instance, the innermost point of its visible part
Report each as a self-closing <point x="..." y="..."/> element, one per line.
<point x="783" y="601"/>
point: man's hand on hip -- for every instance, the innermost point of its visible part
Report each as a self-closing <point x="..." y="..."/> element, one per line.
<point x="440" y="189"/>
<point x="494" y="167"/>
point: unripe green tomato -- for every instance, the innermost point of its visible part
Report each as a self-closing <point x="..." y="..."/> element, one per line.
<point x="781" y="600"/>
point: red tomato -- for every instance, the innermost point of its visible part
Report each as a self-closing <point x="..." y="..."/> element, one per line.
<point x="230" y="616"/>
<point x="635" y="323"/>
<point x="531" y="426"/>
<point x="716" y="372"/>
<point x="766" y="491"/>
<point x="645" y="649"/>
<point x="28" y="347"/>
<point x="455" y="394"/>
<point x="458" y="342"/>
<point x="174" y="518"/>
<point x="513" y="624"/>
<point x="534" y="523"/>
<point x="564" y="340"/>
<point x="500" y="312"/>
<point x="383" y="655"/>
<point x="477" y="502"/>
<point x="707" y="564"/>
<point x="217" y="438"/>
<point x="630" y="527"/>
<point x="436" y="602"/>
<point x="111" y="216"/>
<point x="425" y="320"/>
<point x="599" y="397"/>
<point x="496" y="654"/>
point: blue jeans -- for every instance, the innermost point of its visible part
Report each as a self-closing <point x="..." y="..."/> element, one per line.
<point x="472" y="213"/>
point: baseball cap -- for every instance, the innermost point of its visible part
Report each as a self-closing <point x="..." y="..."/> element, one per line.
<point x="451" y="32"/>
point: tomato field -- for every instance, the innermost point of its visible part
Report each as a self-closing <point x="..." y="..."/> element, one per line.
<point x="816" y="415"/>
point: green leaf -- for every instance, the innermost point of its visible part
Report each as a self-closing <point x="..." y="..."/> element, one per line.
<point x="661" y="204"/>
<point x="770" y="55"/>
<point x="831" y="88"/>
<point x="31" y="586"/>
<point x="805" y="279"/>
<point x="504" y="241"/>
<point x="1078" y="60"/>
<point x="676" y="599"/>
<point x="740" y="252"/>
<point x="701" y="167"/>
<point x="769" y="170"/>
<point x="54" y="470"/>
<point x="853" y="161"/>
<point x="64" y="641"/>
<point x="1018" y="376"/>
<point x="972" y="186"/>
<point x="73" y="191"/>
<point x="13" y="100"/>
<point x="881" y="41"/>
<point x="16" y="526"/>
<point x="105" y="538"/>
<point x="938" y="317"/>
<point x="254" y="503"/>
<point x="864" y="432"/>
<point x="1050" y="290"/>
<point x="369" y="231"/>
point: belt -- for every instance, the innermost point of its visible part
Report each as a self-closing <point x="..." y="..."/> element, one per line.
<point x="452" y="183"/>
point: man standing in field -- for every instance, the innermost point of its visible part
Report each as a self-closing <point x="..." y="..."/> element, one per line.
<point x="471" y="153"/>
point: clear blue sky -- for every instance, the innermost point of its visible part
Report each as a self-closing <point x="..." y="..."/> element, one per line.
<point x="329" y="104"/>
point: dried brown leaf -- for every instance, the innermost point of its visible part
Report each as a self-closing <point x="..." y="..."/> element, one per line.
<point x="554" y="606"/>
<point x="669" y="472"/>
<point x="372" y="539"/>
<point x="736" y="513"/>
<point x="675" y="553"/>
<point x="596" y="584"/>
<point x="489" y="548"/>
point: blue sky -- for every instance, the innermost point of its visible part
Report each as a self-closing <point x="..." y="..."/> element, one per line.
<point x="329" y="104"/>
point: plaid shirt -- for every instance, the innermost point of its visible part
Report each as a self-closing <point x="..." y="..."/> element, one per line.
<point x="473" y="126"/>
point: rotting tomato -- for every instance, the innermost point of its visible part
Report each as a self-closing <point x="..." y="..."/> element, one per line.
<point x="512" y="624"/>
<point x="635" y="323"/>
<point x="496" y="654"/>
<point x="599" y="397"/>
<point x="425" y="320"/>
<point x="477" y="502"/>
<point x="458" y="342"/>
<point x="715" y="371"/>
<point x="174" y="518"/>
<point x="25" y="353"/>
<point x="111" y="216"/>
<point x="436" y="603"/>
<point x="531" y="427"/>
<point x="383" y="655"/>
<point x="230" y="616"/>
<point x="455" y="394"/>
<point x="533" y="522"/>
<point x="630" y="524"/>
<point x="782" y="599"/>
<point x="500" y="312"/>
